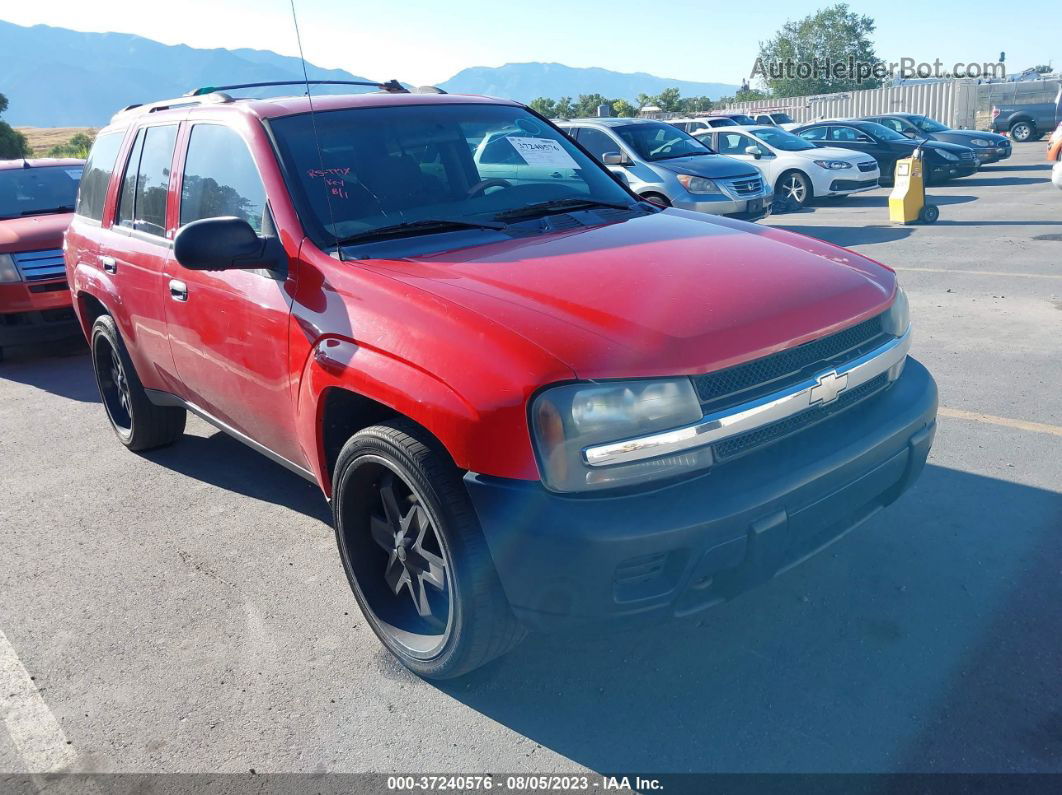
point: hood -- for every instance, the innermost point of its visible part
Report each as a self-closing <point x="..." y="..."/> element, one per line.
<point x="833" y="153"/>
<point x="961" y="136"/>
<point x="668" y="293"/>
<point x="713" y="166"/>
<point x="955" y="149"/>
<point x="33" y="233"/>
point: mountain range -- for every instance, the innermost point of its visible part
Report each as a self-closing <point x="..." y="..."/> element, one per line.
<point x="55" y="77"/>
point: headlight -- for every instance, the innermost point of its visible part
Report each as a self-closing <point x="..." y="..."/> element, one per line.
<point x="980" y="142"/>
<point x="8" y="271"/>
<point x="698" y="184"/>
<point x="946" y="154"/>
<point x="832" y="165"/>
<point x="898" y="318"/>
<point x="566" y="419"/>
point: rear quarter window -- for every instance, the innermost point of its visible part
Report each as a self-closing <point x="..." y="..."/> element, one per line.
<point x="97" y="175"/>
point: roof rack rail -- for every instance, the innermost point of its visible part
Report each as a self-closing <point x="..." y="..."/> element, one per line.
<point x="177" y="102"/>
<point x="391" y="86"/>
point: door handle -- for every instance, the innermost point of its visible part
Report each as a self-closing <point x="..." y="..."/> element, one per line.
<point x="178" y="290"/>
<point x="109" y="265"/>
<point x="557" y="175"/>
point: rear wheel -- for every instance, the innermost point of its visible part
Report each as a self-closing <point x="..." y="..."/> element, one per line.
<point x="414" y="555"/>
<point x="794" y="188"/>
<point x="139" y="423"/>
<point x="1022" y="131"/>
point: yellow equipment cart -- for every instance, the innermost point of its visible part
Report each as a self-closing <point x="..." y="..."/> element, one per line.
<point x="907" y="202"/>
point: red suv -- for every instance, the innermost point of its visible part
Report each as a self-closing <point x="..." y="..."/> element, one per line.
<point x="36" y="202"/>
<point x="532" y="399"/>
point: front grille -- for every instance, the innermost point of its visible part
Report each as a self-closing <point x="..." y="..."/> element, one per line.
<point x="737" y="445"/>
<point x="36" y="266"/>
<point x="853" y="184"/>
<point x="966" y="155"/>
<point x="868" y="165"/>
<point x="771" y="373"/>
<point x="747" y="187"/>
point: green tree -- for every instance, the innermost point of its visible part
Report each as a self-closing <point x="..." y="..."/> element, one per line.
<point x="1043" y="69"/>
<point x="670" y="99"/>
<point x="588" y="104"/>
<point x="622" y="107"/>
<point x="565" y="109"/>
<point x="12" y="143"/>
<point x="544" y="105"/>
<point x="786" y="63"/>
<point x="643" y="100"/>
<point x="78" y="146"/>
<point x="696" y="104"/>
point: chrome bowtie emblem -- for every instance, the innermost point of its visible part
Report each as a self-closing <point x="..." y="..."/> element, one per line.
<point x="829" y="386"/>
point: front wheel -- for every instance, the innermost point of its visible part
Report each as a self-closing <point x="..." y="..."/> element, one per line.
<point x="414" y="555"/>
<point x="794" y="187"/>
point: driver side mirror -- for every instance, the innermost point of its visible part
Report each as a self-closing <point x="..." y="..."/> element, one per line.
<point x="227" y="243"/>
<point x="910" y="133"/>
<point x="864" y="139"/>
<point x="615" y="159"/>
<point x="755" y="151"/>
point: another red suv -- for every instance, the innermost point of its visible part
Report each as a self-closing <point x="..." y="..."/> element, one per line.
<point x="36" y="203"/>
<point x="532" y="400"/>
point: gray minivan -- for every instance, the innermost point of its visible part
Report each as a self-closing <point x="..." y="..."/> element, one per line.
<point x="664" y="164"/>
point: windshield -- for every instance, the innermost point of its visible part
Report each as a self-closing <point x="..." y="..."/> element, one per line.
<point x="782" y="118"/>
<point x="741" y="118"/>
<point x="381" y="167"/>
<point x="926" y="124"/>
<point x="780" y="139"/>
<point x="38" y="190"/>
<point x="659" y="141"/>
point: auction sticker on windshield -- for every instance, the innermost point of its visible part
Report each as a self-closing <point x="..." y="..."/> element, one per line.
<point x="542" y="152"/>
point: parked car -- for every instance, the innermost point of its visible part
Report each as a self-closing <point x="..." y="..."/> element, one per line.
<point x="989" y="147"/>
<point x="735" y="116"/>
<point x="701" y="123"/>
<point x="943" y="161"/>
<point x="775" y="118"/>
<point x="798" y="170"/>
<point x="36" y="203"/>
<point x="1029" y="122"/>
<point x="530" y="405"/>
<point x="665" y="165"/>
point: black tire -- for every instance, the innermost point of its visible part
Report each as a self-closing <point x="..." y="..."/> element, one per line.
<point x="1022" y="131"/>
<point x="438" y="606"/>
<point x="930" y="213"/>
<point x="139" y="423"/>
<point x="657" y="198"/>
<point x="795" y="188"/>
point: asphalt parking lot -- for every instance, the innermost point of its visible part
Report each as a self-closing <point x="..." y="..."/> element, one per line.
<point x="185" y="610"/>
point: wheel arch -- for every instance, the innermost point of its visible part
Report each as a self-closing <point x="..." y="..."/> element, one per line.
<point x="797" y="170"/>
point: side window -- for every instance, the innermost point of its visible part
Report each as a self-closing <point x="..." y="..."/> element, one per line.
<point x="764" y="119"/>
<point x="733" y="143"/>
<point x="814" y="134"/>
<point x="97" y="175"/>
<point x="894" y="124"/>
<point x="843" y="134"/>
<point x="144" y="191"/>
<point x="220" y="178"/>
<point x="596" y="142"/>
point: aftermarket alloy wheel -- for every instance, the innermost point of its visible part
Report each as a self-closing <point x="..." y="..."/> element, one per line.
<point x="139" y="423"/>
<point x="414" y="555"/>
<point x="793" y="187"/>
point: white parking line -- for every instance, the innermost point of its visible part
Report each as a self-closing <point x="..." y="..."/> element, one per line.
<point x="33" y="728"/>
<point x="1021" y="425"/>
<point x="981" y="273"/>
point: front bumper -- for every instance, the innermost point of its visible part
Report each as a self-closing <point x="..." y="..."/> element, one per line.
<point x="938" y="172"/>
<point x="36" y="312"/>
<point x="678" y="549"/>
<point x="843" y="187"/>
<point x="751" y="209"/>
<point x="994" y="154"/>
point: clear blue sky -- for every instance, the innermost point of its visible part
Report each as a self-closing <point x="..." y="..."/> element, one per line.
<point x="427" y="41"/>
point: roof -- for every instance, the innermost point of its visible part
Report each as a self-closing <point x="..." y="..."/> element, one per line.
<point x="40" y="162"/>
<point x="611" y="121"/>
<point x="275" y="107"/>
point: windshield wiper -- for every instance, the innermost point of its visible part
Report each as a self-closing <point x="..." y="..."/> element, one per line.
<point x="48" y="211"/>
<point x="423" y="227"/>
<point x="555" y="206"/>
